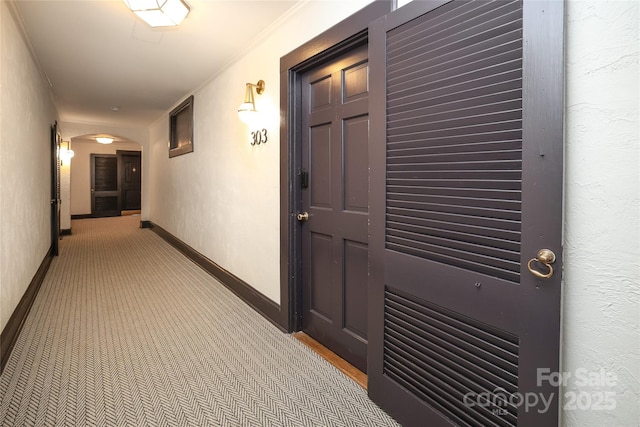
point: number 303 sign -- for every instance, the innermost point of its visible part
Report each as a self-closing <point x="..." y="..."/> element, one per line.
<point x="259" y="137"/>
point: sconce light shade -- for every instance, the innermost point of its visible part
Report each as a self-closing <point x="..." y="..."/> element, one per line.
<point x="159" y="13"/>
<point x="247" y="110"/>
<point x="104" y="140"/>
<point x="66" y="153"/>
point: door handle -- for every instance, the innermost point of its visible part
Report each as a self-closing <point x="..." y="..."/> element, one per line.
<point x="303" y="216"/>
<point x="92" y="190"/>
<point x="545" y="257"/>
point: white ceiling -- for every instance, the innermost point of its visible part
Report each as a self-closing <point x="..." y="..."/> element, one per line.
<point x="98" y="55"/>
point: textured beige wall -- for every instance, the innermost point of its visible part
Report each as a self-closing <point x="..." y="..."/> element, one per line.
<point x="26" y="115"/>
<point x="65" y="191"/>
<point x="81" y="171"/>
<point x="602" y="203"/>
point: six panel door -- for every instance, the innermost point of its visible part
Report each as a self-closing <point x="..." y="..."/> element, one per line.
<point x="334" y="238"/>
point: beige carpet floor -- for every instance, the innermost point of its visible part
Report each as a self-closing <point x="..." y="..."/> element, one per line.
<point x="126" y="331"/>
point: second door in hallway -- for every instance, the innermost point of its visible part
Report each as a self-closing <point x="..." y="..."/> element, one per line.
<point x="115" y="183"/>
<point x="130" y="178"/>
<point x="335" y="140"/>
<point x="105" y="197"/>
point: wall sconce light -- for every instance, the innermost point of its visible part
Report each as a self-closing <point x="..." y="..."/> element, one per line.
<point x="104" y="140"/>
<point x="66" y="153"/>
<point x="159" y="13"/>
<point x="247" y="110"/>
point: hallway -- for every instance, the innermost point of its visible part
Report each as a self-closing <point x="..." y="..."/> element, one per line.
<point x="126" y="331"/>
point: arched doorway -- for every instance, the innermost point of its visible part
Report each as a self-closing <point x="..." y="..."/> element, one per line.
<point x="105" y="179"/>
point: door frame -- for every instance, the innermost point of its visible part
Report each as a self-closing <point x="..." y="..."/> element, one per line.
<point x="344" y="36"/>
<point x="55" y="188"/>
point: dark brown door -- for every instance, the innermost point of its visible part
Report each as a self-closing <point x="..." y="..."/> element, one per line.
<point x="105" y="197"/>
<point x="466" y="188"/>
<point x="129" y="168"/>
<point x="55" y="188"/>
<point x="334" y="238"/>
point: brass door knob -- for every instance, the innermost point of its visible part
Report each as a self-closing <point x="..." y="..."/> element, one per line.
<point x="545" y="257"/>
<point x="303" y="216"/>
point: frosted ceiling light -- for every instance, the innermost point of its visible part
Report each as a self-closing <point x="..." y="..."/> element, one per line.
<point x="159" y="13"/>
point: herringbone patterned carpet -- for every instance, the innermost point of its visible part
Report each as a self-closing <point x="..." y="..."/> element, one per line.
<point x="127" y="332"/>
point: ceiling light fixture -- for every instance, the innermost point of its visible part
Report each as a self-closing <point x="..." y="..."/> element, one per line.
<point x="247" y="110"/>
<point x="159" y="13"/>
<point x="104" y="140"/>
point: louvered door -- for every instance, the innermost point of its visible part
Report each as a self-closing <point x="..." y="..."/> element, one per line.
<point x="105" y="195"/>
<point x="466" y="187"/>
<point x="55" y="188"/>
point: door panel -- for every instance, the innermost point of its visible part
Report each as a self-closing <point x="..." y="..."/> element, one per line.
<point x="356" y="271"/>
<point x="320" y="300"/>
<point x="334" y="239"/>
<point x="105" y="195"/>
<point x="466" y="179"/>
<point x="356" y="171"/>
<point x="356" y="82"/>
<point x="320" y="168"/>
<point x="129" y="171"/>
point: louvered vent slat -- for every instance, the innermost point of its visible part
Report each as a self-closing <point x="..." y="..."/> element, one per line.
<point x="461" y="25"/>
<point x="470" y="141"/>
<point x="449" y="16"/>
<point x="446" y="356"/>
<point x="483" y="112"/>
<point x="473" y="193"/>
<point x="439" y="394"/>
<point x="464" y="184"/>
<point x="454" y="139"/>
<point x="433" y="223"/>
<point x="454" y="244"/>
<point x="480" y="85"/>
<point x="454" y="155"/>
<point x="443" y="357"/>
<point x="455" y="201"/>
<point x="444" y="233"/>
<point x="467" y="220"/>
<point x="457" y="100"/>
<point x="463" y="210"/>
